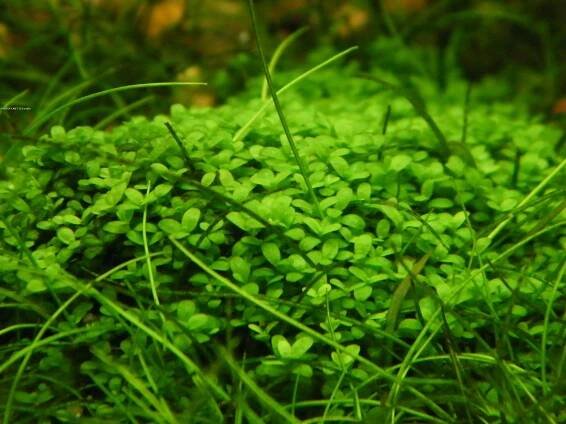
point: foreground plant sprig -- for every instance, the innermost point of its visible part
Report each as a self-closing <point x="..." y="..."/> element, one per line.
<point x="280" y="113"/>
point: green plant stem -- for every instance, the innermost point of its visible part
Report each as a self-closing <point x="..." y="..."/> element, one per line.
<point x="146" y="248"/>
<point x="547" y="313"/>
<point x="277" y="55"/>
<point x="280" y="113"/>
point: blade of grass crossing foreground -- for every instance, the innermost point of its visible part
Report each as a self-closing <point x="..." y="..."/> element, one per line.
<point x="277" y="55"/>
<point x="23" y="364"/>
<point x="192" y="368"/>
<point x="121" y="312"/>
<point x="34" y="344"/>
<point x="434" y="326"/>
<point x="165" y="414"/>
<point x="54" y="103"/>
<point x="13" y="100"/>
<point x="251" y="416"/>
<point x="341" y="362"/>
<point x="527" y="198"/>
<point x="553" y="296"/>
<point x="295" y="393"/>
<point x="146" y="248"/>
<point x="43" y="342"/>
<point x="456" y="364"/>
<point x="283" y="317"/>
<point x="17" y="327"/>
<point x="113" y="396"/>
<point x="261" y="395"/>
<point x="334" y="392"/>
<point x="183" y="149"/>
<point x="280" y="113"/>
<point x="242" y="132"/>
<point x="356" y="402"/>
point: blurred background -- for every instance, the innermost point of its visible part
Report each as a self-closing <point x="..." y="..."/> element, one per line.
<point x="54" y="51"/>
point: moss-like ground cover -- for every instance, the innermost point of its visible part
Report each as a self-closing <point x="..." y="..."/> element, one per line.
<point x="177" y="269"/>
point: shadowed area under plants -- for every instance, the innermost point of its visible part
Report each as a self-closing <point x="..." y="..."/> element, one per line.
<point x="178" y="269"/>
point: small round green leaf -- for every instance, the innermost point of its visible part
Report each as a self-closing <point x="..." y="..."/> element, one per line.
<point x="66" y="235"/>
<point x="271" y="252"/>
<point x="190" y="219"/>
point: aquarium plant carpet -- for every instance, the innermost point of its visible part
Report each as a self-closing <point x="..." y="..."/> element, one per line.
<point x="402" y="260"/>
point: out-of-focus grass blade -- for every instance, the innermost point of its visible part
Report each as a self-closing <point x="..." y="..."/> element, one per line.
<point x="88" y="97"/>
<point x="277" y="55"/>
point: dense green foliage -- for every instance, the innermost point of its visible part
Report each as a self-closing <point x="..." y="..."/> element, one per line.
<point x="199" y="284"/>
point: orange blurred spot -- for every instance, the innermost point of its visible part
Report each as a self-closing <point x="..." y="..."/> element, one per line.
<point x="559" y="107"/>
<point x="164" y="15"/>
<point x="353" y="19"/>
<point x="4" y="45"/>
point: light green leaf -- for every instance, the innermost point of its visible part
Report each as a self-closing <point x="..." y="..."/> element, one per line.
<point x="170" y="226"/>
<point x="353" y="221"/>
<point x="440" y="203"/>
<point x="362" y="293"/>
<point x="159" y="191"/>
<point x="308" y="243"/>
<point x="66" y="235"/>
<point x="343" y="197"/>
<point x="271" y="252"/>
<point x="301" y="346"/>
<point x="190" y="219"/>
<point x="362" y="245"/>
<point x="116" y="227"/>
<point x="243" y="221"/>
<point x="364" y="191"/>
<point x="185" y="309"/>
<point x="340" y="165"/>
<point x="226" y="178"/>
<point x="399" y="162"/>
<point x="135" y="237"/>
<point x="303" y="370"/>
<point x="198" y="321"/>
<point x="281" y="346"/>
<point x="392" y="213"/>
<point x="482" y="244"/>
<point x="330" y="248"/>
<point x="134" y="196"/>
<point x="208" y="178"/>
<point x="382" y="228"/>
<point x="240" y="268"/>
